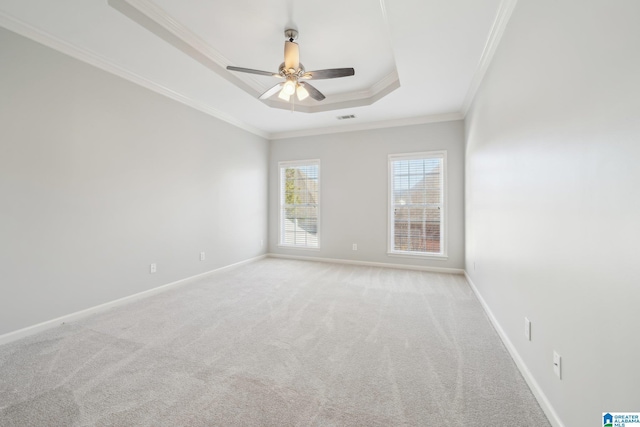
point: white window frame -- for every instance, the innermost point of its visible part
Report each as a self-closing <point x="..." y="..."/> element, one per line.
<point x="288" y="164"/>
<point x="442" y="255"/>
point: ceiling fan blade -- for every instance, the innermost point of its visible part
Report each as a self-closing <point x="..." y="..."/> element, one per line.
<point x="332" y="73"/>
<point x="272" y="91"/>
<point x="251" y="71"/>
<point x="313" y="92"/>
<point x="291" y="55"/>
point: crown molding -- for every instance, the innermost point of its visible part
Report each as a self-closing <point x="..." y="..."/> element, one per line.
<point x="495" y="35"/>
<point x="410" y="121"/>
<point x="17" y="26"/>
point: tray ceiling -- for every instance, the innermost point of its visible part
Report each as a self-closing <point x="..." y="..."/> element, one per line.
<point x="416" y="61"/>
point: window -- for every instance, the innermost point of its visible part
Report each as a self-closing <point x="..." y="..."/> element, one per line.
<point x="299" y="203"/>
<point x="417" y="204"/>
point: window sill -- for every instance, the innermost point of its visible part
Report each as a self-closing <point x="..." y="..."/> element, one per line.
<point x="418" y="255"/>
<point x="304" y="248"/>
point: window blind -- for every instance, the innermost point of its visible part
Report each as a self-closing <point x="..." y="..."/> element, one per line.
<point x="299" y="203"/>
<point x="417" y="203"/>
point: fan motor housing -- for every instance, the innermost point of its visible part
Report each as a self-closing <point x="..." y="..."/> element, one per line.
<point x="284" y="72"/>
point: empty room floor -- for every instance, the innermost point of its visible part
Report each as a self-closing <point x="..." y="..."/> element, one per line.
<point x="275" y="343"/>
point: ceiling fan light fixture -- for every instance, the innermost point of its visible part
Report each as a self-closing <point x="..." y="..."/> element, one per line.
<point x="302" y="93"/>
<point x="284" y="96"/>
<point x="289" y="87"/>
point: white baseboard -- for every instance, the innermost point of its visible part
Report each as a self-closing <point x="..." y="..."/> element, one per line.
<point x="371" y="264"/>
<point x="542" y="399"/>
<point x="34" y="329"/>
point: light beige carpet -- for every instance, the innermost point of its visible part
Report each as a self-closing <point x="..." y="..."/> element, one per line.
<point x="275" y="343"/>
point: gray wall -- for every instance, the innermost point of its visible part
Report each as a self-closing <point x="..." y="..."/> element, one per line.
<point x="100" y="177"/>
<point x="354" y="184"/>
<point x="552" y="206"/>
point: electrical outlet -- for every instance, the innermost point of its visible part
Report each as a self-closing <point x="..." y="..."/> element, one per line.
<point x="201" y="256"/>
<point x="557" y="364"/>
<point x="527" y="329"/>
<point x="354" y="247"/>
<point x="152" y="268"/>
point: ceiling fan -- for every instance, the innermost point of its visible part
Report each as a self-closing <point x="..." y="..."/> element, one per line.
<point x="294" y="74"/>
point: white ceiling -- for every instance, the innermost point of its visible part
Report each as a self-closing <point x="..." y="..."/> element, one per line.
<point x="416" y="61"/>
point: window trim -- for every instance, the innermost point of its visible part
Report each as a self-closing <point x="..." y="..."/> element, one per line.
<point x="294" y="163"/>
<point x="443" y="220"/>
